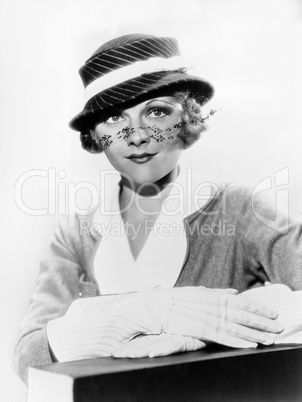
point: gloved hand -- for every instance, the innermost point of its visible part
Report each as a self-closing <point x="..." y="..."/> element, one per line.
<point x="157" y="345"/>
<point x="217" y="316"/>
<point x="163" y="344"/>
<point x="95" y="327"/>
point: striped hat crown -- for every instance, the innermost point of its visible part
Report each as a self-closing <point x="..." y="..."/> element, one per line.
<point x="133" y="68"/>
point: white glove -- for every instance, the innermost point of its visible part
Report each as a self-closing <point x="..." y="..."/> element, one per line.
<point x="157" y="345"/>
<point x="220" y="316"/>
<point x="95" y="327"/>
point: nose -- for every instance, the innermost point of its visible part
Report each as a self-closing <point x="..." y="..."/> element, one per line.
<point x="139" y="136"/>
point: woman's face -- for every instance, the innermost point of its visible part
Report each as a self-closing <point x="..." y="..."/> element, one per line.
<point x="142" y="142"/>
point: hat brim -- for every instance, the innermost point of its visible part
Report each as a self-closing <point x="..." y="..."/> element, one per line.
<point x="137" y="90"/>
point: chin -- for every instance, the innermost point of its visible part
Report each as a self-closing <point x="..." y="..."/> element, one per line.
<point x="143" y="176"/>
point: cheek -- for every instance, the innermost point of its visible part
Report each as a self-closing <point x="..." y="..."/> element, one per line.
<point x="113" y="154"/>
<point x="170" y="154"/>
<point x="109" y="136"/>
<point x="167" y="133"/>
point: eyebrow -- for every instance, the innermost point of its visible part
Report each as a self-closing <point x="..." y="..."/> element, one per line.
<point x="159" y="100"/>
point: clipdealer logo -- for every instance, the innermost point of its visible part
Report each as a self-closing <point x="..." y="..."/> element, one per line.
<point x="62" y="196"/>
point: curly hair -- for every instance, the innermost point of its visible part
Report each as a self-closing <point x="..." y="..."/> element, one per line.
<point x="194" y="124"/>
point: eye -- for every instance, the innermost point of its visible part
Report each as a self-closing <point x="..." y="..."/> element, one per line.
<point x="157" y="112"/>
<point x="117" y="118"/>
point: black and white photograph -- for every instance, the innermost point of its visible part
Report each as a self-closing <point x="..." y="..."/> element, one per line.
<point x="151" y="176"/>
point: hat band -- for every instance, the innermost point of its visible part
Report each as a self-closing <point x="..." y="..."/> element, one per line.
<point x="131" y="71"/>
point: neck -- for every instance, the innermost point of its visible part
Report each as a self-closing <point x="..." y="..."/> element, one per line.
<point x="150" y="194"/>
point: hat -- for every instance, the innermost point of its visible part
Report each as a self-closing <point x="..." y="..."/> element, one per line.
<point x="132" y="68"/>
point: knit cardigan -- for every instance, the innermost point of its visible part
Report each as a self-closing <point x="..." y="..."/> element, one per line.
<point x="234" y="241"/>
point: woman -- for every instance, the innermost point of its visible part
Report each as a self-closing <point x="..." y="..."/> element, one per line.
<point x="159" y="292"/>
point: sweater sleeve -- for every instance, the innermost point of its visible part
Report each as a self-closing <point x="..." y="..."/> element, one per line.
<point x="271" y="239"/>
<point x="56" y="288"/>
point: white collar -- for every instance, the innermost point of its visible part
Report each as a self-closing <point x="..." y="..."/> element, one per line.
<point x="161" y="259"/>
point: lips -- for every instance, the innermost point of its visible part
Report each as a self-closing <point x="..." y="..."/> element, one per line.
<point x="141" y="158"/>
